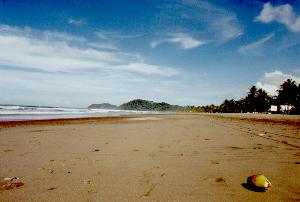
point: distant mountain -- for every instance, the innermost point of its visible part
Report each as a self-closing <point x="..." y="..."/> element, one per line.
<point x="102" y="106"/>
<point x="145" y="105"/>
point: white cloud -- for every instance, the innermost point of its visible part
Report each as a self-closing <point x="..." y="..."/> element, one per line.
<point x="226" y="28"/>
<point x="184" y="40"/>
<point x="255" y="48"/>
<point x="80" y="90"/>
<point x="283" y="14"/>
<point x="38" y="34"/>
<point x="149" y="69"/>
<point x="271" y="81"/>
<point x="54" y="52"/>
<point x="221" y="25"/>
<point x="76" y="22"/>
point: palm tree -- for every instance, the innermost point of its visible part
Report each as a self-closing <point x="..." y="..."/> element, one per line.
<point x="287" y="94"/>
<point x="262" y="101"/>
<point x="250" y="104"/>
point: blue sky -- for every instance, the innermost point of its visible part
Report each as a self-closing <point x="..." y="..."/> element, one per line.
<point x="186" y="52"/>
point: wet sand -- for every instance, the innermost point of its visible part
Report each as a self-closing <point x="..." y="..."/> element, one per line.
<point x="180" y="157"/>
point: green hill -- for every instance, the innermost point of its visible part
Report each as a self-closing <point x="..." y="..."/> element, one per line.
<point x="145" y="105"/>
<point x="102" y="106"/>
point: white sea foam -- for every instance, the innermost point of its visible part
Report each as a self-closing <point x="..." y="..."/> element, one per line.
<point x="11" y="112"/>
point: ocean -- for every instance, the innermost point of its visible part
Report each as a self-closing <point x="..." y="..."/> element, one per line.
<point x="19" y="112"/>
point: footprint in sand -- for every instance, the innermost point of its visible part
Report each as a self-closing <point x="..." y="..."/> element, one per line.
<point x="297" y="154"/>
<point x="148" y="193"/>
<point x="51" y="171"/>
<point x="215" y="162"/>
<point x="36" y="131"/>
<point x="152" y="155"/>
<point x="92" y="192"/>
<point x="196" y="152"/>
<point x="161" y="146"/>
<point x="149" y="174"/>
<point x="220" y="179"/>
<point x="234" y="148"/>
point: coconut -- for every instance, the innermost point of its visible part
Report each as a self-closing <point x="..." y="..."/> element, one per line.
<point x="258" y="182"/>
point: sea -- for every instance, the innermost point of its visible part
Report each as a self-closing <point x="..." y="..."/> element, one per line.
<point x="20" y="112"/>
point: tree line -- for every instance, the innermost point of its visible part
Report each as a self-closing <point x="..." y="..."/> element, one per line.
<point x="258" y="100"/>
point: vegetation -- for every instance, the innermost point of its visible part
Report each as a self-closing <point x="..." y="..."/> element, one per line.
<point x="289" y="93"/>
<point x="257" y="100"/>
<point x="102" y="106"/>
<point x="145" y="105"/>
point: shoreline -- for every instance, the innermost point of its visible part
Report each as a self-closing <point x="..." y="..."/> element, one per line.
<point x="264" y="118"/>
<point x="63" y="121"/>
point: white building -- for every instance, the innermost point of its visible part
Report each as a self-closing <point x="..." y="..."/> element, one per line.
<point x="283" y="108"/>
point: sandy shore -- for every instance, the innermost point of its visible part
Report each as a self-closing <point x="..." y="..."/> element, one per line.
<point x="152" y="158"/>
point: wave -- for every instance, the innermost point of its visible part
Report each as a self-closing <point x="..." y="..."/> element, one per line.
<point x="17" y="112"/>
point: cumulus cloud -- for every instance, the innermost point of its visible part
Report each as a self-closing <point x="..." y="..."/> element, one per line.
<point x="271" y="81"/>
<point x="255" y="48"/>
<point x="283" y="14"/>
<point x="185" y="41"/>
<point x="59" y="52"/>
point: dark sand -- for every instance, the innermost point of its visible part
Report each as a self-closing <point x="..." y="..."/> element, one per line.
<point x="180" y="157"/>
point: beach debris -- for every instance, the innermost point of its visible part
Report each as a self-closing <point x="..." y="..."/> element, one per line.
<point x="10" y="183"/>
<point x="261" y="134"/>
<point x="297" y="162"/>
<point x="220" y="179"/>
<point x="258" y="182"/>
<point x="95" y="150"/>
<point x="52" y="188"/>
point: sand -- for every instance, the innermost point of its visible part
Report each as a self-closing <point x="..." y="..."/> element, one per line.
<point x="178" y="157"/>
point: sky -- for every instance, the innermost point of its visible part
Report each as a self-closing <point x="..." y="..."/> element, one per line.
<point x="187" y="52"/>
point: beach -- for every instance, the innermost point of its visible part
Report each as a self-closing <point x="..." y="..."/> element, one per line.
<point x="170" y="157"/>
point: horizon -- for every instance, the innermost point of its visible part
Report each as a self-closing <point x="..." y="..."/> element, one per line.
<point x="189" y="52"/>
